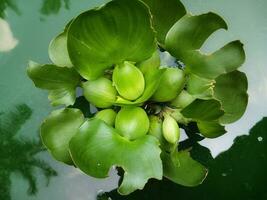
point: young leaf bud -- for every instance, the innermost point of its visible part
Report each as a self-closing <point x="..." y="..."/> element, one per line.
<point x="171" y="84"/>
<point x="132" y="122"/>
<point x="100" y="92"/>
<point x="170" y="128"/>
<point x="107" y="115"/>
<point x="128" y="80"/>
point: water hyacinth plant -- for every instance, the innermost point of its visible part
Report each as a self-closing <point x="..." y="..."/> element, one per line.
<point x="113" y="54"/>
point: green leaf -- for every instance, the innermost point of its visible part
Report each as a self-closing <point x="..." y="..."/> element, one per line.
<point x="180" y="168"/>
<point x="152" y="80"/>
<point x="153" y="63"/>
<point x="199" y="87"/>
<point x="58" y="51"/>
<point x="171" y="84"/>
<point x="97" y="147"/>
<point x="203" y="110"/>
<point x="60" y="81"/>
<point x="231" y="90"/>
<point x="119" y="31"/>
<point x="57" y="130"/>
<point x="61" y="96"/>
<point x="187" y="36"/>
<point x="211" y="129"/>
<point x="165" y="14"/>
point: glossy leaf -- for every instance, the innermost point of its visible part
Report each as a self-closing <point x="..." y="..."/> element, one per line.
<point x="187" y="36"/>
<point x="97" y="147"/>
<point x="128" y="80"/>
<point x="180" y="168"/>
<point x="211" y="129"/>
<point x="132" y="122"/>
<point x="61" y="96"/>
<point x="60" y="81"/>
<point x="58" y="52"/>
<point x="165" y="14"/>
<point x="155" y="129"/>
<point x="99" y="38"/>
<point x="171" y="84"/>
<point x="107" y="115"/>
<point x="57" y="130"/>
<point x="203" y="110"/>
<point x="231" y="90"/>
<point x="182" y="100"/>
<point x="199" y="87"/>
<point x="152" y="81"/>
<point x="100" y="92"/>
<point x="153" y="63"/>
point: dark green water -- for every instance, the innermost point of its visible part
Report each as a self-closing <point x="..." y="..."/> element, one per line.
<point x="34" y="23"/>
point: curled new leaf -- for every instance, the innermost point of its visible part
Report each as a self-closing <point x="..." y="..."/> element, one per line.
<point x="96" y="147"/>
<point x="128" y="80"/>
<point x="187" y="36"/>
<point x="57" y="130"/>
<point x="99" y="38"/>
<point x="152" y="81"/>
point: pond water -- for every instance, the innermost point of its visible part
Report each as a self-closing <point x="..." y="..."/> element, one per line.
<point x="29" y="25"/>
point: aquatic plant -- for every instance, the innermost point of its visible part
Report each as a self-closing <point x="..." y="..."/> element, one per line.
<point x="112" y="53"/>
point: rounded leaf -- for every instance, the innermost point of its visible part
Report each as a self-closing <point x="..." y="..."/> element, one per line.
<point x="107" y="115"/>
<point x="100" y="92"/>
<point x="119" y="31"/>
<point x="97" y="147"/>
<point x="231" y="90"/>
<point x="132" y="122"/>
<point x="58" y="129"/>
<point x="180" y="168"/>
<point x="128" y="80"/>
<point x="58" y="52"/>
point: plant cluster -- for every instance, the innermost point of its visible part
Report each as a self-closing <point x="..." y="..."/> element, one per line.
<point x="113" y="54"/>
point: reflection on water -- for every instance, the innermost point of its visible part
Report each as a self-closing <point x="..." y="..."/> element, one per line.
<point x="247" y="21"/>
<point x="18" y="154"/>
<point x="238" y="173"/>
<point x="48" y="6"/>
<point x="53" y="6"/>
<point x="7" y="40"/>
<point x="4" y="4"/>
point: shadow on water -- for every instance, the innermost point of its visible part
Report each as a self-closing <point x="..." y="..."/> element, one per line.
<point x="48" y="6"/>
<point x="239" y="173"/>
<point x="17" y="154"/>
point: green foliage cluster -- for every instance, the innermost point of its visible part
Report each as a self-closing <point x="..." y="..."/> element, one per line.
<point x="112" y="53"/>
<point x="238" y="173"/>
